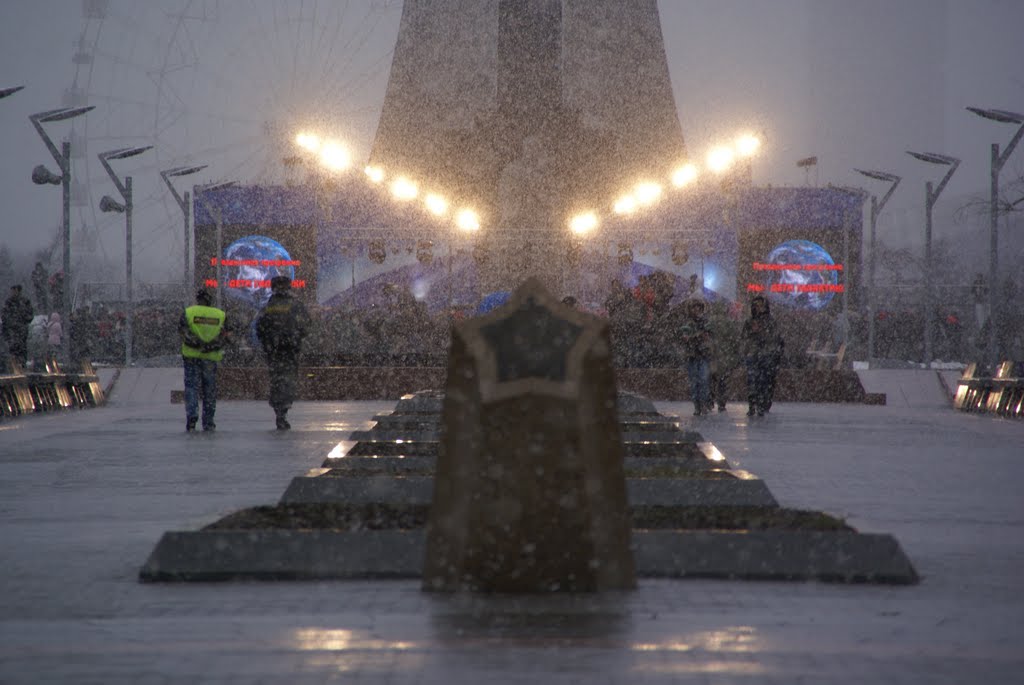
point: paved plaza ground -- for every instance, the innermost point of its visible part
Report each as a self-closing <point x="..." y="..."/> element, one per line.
<point x="85" y="495"/>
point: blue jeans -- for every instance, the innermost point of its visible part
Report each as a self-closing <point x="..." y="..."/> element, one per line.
<point x="699" y="371"/>
<point x="200" y="381"/>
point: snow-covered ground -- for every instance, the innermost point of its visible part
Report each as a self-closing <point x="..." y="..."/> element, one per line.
<point x="85" y="496"/>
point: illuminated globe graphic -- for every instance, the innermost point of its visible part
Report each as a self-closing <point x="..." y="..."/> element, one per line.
<point x="811" y="285"/>
<point x="250" y="263"/>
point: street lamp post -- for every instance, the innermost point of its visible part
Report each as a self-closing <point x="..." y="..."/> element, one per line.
<point x="876" y="209"/>
<point x="42" y="175"/>
<point x="998" y="160"/>
<point x="930" y="196"/>
<point x="109" y="204"/>
<point x="218" y="217"/>
<point x="184" y="203"/>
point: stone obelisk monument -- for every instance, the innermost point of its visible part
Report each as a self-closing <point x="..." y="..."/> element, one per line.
<point x="531" y="110"/>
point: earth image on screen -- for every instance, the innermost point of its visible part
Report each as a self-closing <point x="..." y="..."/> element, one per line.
<point x="250" y="263"/>
<point x="806" y="287"/>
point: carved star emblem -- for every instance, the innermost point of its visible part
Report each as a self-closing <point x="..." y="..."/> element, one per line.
<point x="532" y="344"/>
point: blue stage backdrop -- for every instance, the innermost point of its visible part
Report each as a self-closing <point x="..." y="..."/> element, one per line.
<point x="349" y="244"/>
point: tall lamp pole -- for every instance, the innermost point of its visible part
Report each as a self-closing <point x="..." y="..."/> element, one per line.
<point x="930" y="196"/>
<point x="218" y="217"/>
<point x="876" y="209"/>
<point x="184" y="203"/>
<point x="998" y="160"/>
<point x="41" y="175"/>
<point x="109" y="204"/>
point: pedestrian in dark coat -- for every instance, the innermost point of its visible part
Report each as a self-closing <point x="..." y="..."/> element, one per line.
<point x="695" y="336"/>
<point x="762" y="351"/>
<point x="17" y="315"/>
<point x="281" y="328"/>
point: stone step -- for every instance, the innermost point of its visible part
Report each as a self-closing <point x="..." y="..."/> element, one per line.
<point x="425" y="448"/>
<point x="729" y="488"/>
<point x="277" y="554"/>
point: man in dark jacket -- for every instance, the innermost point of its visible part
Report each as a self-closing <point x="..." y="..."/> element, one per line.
<point x="17" y="315"/>
<point x="762" y="351"/>
<point x="281" y="327"/>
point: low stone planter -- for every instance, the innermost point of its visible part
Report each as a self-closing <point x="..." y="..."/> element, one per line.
<point x="362" y="551"/>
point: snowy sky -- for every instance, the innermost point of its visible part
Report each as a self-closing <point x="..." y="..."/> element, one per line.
<point x="854" y="82"/>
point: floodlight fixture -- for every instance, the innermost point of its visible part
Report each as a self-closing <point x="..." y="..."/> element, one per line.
<point x="748" y="144"/>
<point x="879" y="175"/>
<point x="646" y="193"/>
<point x="124" y="153"/>
<point x="213" y="187"/>
<point x="626" y="204"/>
<point x="9" y="91"/>
<point x="583" y="223"/>
<point x="109" y="204"/>
<point x="467" y="220"/>
<point x="404" y="189"/>
<point x="1000" y="115"/>
<point x="720" y="159"/>
<point x="183" y="171"/>
<point x="41" y="176"/>
<point x="684" y="175"/>
<point x="63" y="114"/>
<point x="436" y="204"/>
<point x="933" y="158"/>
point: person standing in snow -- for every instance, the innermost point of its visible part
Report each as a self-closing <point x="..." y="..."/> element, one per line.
<point x="281" y="328"/>
<point x="763" y="346"/>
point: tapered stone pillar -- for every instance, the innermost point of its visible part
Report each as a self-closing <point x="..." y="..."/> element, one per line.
<point x="529" y="490"/>
<point x="530" y="111"/>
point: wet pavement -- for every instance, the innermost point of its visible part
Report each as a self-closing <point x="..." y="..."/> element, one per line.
<point x="84" y="497"/>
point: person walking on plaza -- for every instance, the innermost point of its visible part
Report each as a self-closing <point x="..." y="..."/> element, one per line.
<point x="40" y="282"/>
<point x="763" y="346"/>
<point x="281" y="328"/>
<point x="202" y="346"/>
<point x="725" y="331"/>
<point x="54" y="335"/>
<point x="697" y="351"/>
<point x="17" y="315"/>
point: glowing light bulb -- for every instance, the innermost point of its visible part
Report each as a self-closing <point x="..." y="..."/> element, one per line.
<point x="335" y="157"/>
<point x="720" y="159"/>
<point x="584" y="223"/>
<point x="647" y="193"/>
<point x="684" y="175"/>
<point x="404" y="189"/>
<point x="436" y="205"/>
<point x="625" y="205"/>
<point x="467" y="220"/>
<point x="307" y="141"/>
<point x="747" y="145"/>
<point x="374" y="173"/>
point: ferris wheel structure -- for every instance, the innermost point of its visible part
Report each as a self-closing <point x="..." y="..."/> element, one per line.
<point x="220" y="83"/>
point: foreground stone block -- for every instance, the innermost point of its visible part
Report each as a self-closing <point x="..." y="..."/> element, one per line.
<point x="276" y="554"/>
<point x="529" y="492"/>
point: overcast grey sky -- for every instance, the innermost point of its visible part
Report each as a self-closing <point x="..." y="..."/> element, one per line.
<point x="854" y="82"/>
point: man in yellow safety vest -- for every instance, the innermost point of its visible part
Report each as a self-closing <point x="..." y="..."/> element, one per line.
<point x="202" y="345"/>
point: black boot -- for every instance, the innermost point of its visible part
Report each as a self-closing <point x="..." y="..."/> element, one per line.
<point x="282" y="422"/>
